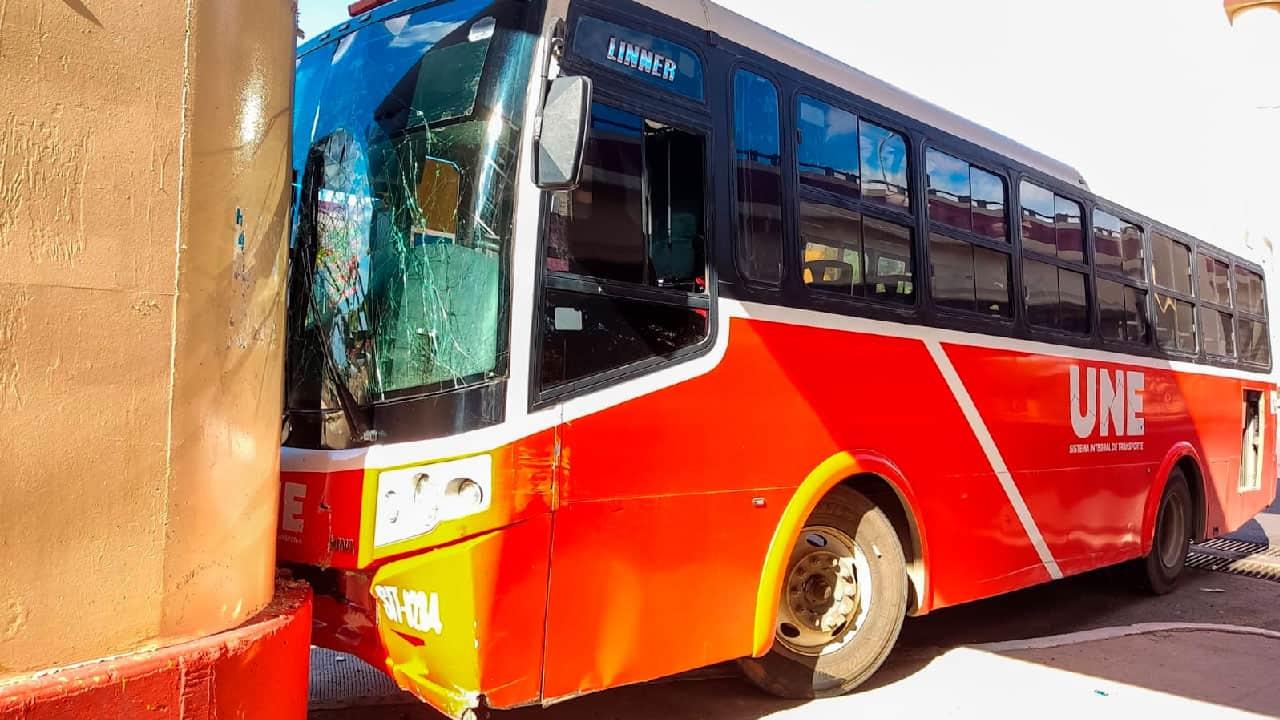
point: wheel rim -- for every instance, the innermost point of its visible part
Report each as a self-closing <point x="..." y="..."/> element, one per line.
<point x="827" y="593"/>
<point x="1173" y="531"/>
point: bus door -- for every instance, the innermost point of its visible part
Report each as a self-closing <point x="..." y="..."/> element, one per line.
<point x="641" y="565"/>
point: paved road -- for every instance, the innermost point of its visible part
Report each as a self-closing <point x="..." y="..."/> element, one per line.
<point x="1091" y="645"/>
<point x="946" y="666"/>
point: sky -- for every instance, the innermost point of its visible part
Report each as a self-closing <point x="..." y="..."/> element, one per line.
<point x="1147" y="98"/>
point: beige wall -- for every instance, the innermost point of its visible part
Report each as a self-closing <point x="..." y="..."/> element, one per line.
<point x="140" y="347"/>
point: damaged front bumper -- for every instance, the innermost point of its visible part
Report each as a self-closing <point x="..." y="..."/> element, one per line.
<point x="460" y="627"/>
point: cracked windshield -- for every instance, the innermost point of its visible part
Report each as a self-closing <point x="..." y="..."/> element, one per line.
<point x="405" y="153"/>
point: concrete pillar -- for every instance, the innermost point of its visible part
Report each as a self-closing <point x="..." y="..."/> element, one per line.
<point x="144" y="195"/>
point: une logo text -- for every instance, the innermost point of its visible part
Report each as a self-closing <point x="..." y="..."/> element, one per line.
<point x="1109" y="404"/>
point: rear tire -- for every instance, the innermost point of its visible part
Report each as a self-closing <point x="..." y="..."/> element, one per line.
<point x="1160" y="570"/>
<point x="844" y="597"/>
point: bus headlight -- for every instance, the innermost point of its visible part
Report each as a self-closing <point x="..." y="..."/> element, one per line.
<point x="413" y="501"/>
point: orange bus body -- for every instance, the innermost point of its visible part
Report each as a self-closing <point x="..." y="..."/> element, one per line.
<point x="642" y="526"/>
<point x="628" y="526"/>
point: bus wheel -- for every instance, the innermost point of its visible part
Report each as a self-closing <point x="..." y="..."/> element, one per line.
<point x="1161" y="569"/>
<point x="844" y="597"/>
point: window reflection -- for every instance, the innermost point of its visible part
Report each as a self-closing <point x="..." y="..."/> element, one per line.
<point x="1111" y="313"/>
<point x="637" y="215"/>
<point x="1074" y="302"/>
<point x="1068" y="230"/>
<point x="586" y="335"/>
<point x="884" y="166"/>
<point x="965" y="196"/>
<point x="1056" y="297"/>
<point x="1051" y="224"/>
<point x="1041" y="283"/>
<point x="1215" y="281"/>
<point x="991" y="273"/>
<point x="1252" y="341"/>
<point x="832" y="239"/>
<point x="1250" y="292"/>
<point x="1108" y="253"/>
<point x="949" y="199"/>
<point x="1122" y="312"/>
<point x="967" y="277"/>
<point x="1134" y="253"/>
<point x="1117" y="245"/>
<point x="827" y="148"/>
<point x="1175" y="324"/>
<point x="848" y="254"/>
<point x="989" y="200"/>
<point x="1171" y="263"/>
<point x="952" y="272"/>
<point x="890" y="269"/>
<point x="758" y="146"/>
<point x="1218" y="332"/>
<point x="1137" y="327"/>
<point x="633" y="233"/>
<point x="1038" y="209"/>
<point x="1186" y="327"/>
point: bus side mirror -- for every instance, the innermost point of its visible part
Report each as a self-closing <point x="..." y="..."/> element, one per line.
<point x="563" y="135"/>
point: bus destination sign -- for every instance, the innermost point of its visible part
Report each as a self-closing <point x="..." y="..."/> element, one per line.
<point x="642" y="59"/>
<point x="651" y="59"/>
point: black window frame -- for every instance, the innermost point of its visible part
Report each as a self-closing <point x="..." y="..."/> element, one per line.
<point x="1207" y="251"/>
<point x="724" y="57"/>
<point x="1092" y="233"/>
<point x="1085" y="268"/>
<point x="788" y="200"/>
<point x="799" y="193"/>
<point x="1193" y="278"/>
<point x="1101" y="273"/>
<point x="936" y="224"/>
<point x="1007" y="247"/>
<point x="1242" y="315"/>
<point x="651" y="103"/>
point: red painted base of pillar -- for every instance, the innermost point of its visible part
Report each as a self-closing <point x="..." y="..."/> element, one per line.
<point x="257" y="671"/>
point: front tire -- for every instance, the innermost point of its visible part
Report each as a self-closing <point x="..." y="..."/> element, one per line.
<point x="1163" y="566"/>
<point x="844" y="597"/>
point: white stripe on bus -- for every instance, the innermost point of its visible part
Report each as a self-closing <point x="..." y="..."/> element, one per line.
<point x="521" y="423"/>
<point x="988" y="444"/>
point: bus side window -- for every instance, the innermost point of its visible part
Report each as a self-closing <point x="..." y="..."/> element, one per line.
<point x="1252" y="341"/>
<point x="758" y="147"/>
<point x="1175" y="318"/>
<point x="625" y="266"/>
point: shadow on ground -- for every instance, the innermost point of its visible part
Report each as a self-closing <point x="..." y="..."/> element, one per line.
<point x="935" y="671"/>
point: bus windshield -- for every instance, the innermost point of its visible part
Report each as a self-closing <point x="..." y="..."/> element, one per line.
<point x="406" y="145"/>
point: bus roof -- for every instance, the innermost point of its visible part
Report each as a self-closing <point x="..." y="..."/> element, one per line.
<point x="736" y="28"/>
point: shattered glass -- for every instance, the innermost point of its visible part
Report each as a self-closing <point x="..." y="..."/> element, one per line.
<point x="406" y="146"/>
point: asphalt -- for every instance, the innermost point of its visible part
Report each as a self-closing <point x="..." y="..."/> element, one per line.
<point x="1090" y="645"/>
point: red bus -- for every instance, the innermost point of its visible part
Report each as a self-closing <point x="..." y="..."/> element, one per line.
<point x="631" y="337"/>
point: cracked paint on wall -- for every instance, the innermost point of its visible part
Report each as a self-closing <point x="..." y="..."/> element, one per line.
<point x="12" y="323"/>
<point x="42" y="188"/>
